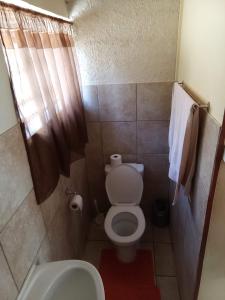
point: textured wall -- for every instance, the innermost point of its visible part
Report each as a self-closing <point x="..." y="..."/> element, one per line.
<point x="201" y="62"/>
<point x="126" y="41"/>
<point x="130" y="119"/>
<point x="187" y="218"/>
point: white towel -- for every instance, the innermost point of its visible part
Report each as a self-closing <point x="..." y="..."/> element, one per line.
<point x="183" y="134"/>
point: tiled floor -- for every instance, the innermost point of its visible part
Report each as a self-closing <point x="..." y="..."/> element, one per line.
<point x="156" y="239"/>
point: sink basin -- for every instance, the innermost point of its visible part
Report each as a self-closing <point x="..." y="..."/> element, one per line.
<point x="63" y="280"/>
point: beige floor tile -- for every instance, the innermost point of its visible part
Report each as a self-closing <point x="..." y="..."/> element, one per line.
<point x="148" y="234"/>
<point x="168" y="288"/>
<point x="97" y="233"/>
<point x="147" y="246"/>
<point x="161" y="235"/>
<point x="164" y="260"/>
<point x="92" y="252"/>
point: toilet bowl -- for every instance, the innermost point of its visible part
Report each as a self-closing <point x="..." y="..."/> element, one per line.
<point x="125" y="221"/>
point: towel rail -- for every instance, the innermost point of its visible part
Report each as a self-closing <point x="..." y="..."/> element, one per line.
<point x="187" y="90"/>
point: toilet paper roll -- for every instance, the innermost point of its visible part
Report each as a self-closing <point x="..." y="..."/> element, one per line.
<point x="115" y="160"/>
<point x="76" y="204"/>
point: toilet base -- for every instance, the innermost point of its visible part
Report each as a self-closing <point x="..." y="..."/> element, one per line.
<point x="126" y="254"/>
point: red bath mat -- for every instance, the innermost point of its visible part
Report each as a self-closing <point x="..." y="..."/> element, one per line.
<point x="132" y="281"/>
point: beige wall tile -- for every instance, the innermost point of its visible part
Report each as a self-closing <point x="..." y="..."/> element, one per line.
<point x="155" y="168"/>
<point x="151" y="193"/>
<point x="198" y="204"/>
<point x="21" y="238"/>
<point x="15" y="179"/>
<point x="60" y="234"/>
<point x="78" y="174"/>
<point x="154" y="101"/>
<point x="77" y="182"/>
<point x="8" y="290"/>
<point x="188" y="218"/>
<point x="187" y="241"/>
<point x="168" y="288"/>
<point x="7" y="110"/>
<point x="80" y="180"/>
<point x="97" y="233"/>
<point x="95" y="166"/>
<point x="98" y="193"/>
<point x="126" y="158"/>
<point x="117" y="102"/>
<point x="152" y="137"/>
<point x="45" y="253"/>
<point x="90" y="100"/>
<point x="161" y="235"/>
<point x="164" y="260"/>
<point x="94" y="158"/>
<point x="209" y="133"/>
<point x="78" y="226"/>
<point x="119" y="137"/>
<point x="94" y="137"/>
<point x="50" y="205"/>
<point x="66" y="239"/>
<point x="212" y="279"/>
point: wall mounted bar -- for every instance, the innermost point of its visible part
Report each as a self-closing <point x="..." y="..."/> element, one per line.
<point x="192" y="94"/>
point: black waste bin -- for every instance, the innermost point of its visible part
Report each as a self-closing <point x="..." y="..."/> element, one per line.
<point x="160" y="213"/>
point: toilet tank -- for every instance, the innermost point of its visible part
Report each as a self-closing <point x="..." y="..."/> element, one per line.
<point x="138" y="167"/>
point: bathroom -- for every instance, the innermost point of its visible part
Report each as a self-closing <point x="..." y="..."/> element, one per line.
<point x="130" y="54"/>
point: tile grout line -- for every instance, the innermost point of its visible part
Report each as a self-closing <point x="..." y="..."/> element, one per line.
<point x="36" y="253"/>
<point x="137" y="160"/>
<point x="47" y="226"/>
<point x="99" y="200"/>
<point x="35" y="258"/>
<point x="18" y="207"/>
<point x="11" y="128"/>
<point x="154" y="253"/>
<point x="16" y="286"/>
<point x="100" y="123"/>
<point x="130" y="121"/>
<point x="166" y="276"/>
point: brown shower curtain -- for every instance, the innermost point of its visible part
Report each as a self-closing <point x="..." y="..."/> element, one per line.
<point x="40" y="54"/>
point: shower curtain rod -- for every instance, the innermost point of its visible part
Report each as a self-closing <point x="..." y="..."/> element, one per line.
<point x="190" y="93"/>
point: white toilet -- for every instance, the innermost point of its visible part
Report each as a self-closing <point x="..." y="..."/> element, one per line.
<point x="125" y="221"/>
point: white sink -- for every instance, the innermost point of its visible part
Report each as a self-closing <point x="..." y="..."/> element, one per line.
<point x="63" y="280"/>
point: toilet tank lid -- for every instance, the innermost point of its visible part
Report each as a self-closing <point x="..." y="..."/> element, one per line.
<point x="124" y="185"/>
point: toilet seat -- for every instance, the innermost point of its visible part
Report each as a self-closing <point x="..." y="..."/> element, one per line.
<point x="114" y="211"/>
